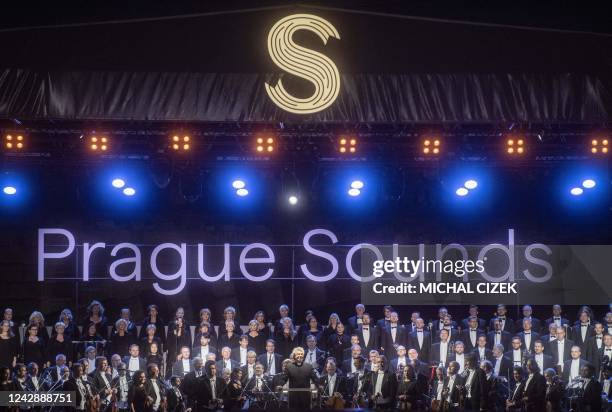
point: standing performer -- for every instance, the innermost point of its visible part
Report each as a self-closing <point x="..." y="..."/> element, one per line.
<point x="300" y="375"/>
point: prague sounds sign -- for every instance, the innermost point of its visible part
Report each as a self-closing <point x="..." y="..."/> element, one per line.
<point x="305" y="63"/>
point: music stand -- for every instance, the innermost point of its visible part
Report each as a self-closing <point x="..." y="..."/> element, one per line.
<point x="299" y="391"/>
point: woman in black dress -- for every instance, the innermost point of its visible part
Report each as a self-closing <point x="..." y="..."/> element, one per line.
<point x="287" y="338"/>
<point x="149" y="339"/>
<point x="329" y="330"/>
<point x="95" y="315"/>
<point x="154" y="355"/>
<point x="8" y="315"/>
<point x="262" y="327"/>
<point x="137" y="394"/>
<point x="37" y="318"/>
<point x="33" y="347"/>
<point x="70" y="328"/>
<point x="59" y="343"/>
<point x="91" y="338"/>
<point x="337" y="343"/>
<point x="313" y="329"/>
<point x="122" y="338"/>
<point x="257" y="340"/>
<point x="179" y="335"/>
<point x="229" y="316"/>
<point x="153" y="318"/>
<point x="408" y="389"/>
<point x="206" y="317"/>
<point x="9" y="347"/>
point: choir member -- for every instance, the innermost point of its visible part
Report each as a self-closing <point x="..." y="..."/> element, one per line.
<point x="7" y="315"/>
<point x="182" y="366"/>
<point x="9" y="345"/>
<point x="122" y="338"/>
<point x="560" y="348"/>
<point x="348" y="365"/>
<point x="312" y="328"/>
<point x="207" y="329"/>
<point x="543" y="360"/>
<point x="283" y="312"/>
<point x="369" y="336"/>
<point x="153" y="318"/>
<point x="150" y="337"/>
<point x="393" y="335"/>
<point x="536" y="325"/>
<point x="498" y="336"/>
<point x="557" y="317"/>
<point x="347" y="352"/>
<point x="502" y="365"/>
<point x="438" y="324"/>
<point x="239" y="354"/>
<point x="206" y="316"/>
<point x="481" y="351"/>
<point x="229" y="337"/>
<point x="257" y="340"/>
<point x="262" y="327"/>
<point x="441" y="351"/>
<point x="458" y="355"/>
<point x="134" y="362"/>
<point x="71" y="331"/>
<point x="286" y="339"/>
<point x="33" y="346"/>
<point x="528" y="336"/>
<point x="420" y="339"/>
<point x="582" y="329"/>
<point x="595" y="347"/>
<point x="338" y="342"/>
<point x="473" y="311"/>
<point x="202" y="347"/>
<point x="37" y="318"/>
<point x="270" y="359"/>
<point x="400" y="361"/>
<point x="357" y="319"/>
<point x="607" y="322"/>
<point x="516" y="353"/>
<point x="95" y="316"/>
<point x="314" y="355"/>
<point x="550" y="336"/>
<point x="226" y="363"/>
<point x="469" y="336"/>
<point x="573" y="366"/>
<point x="91" y="337"/>
<point x="179" y="335"/>
<point x="384" y="322"/>
<point x="229" y="316"/>
<point x="330" y="329"/>
<point x="447" y="324"/>
<point x="155" y="355"/>
<point x="505" y="323"/>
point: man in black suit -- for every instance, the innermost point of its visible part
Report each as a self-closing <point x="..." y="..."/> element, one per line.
<point x="490" y="388"/>
<point x="346" y="353"/>
<point x="382" y="387"/>
<point x="573" y="366"/>
<point x="271" y="360"/>
<point x="516" y="353"/>
<point x="100" y="380"/>
<point x="536" y="325"/>
<point x="591" y="400"/>
<point x="560" y="348"/>
<point x="134" y="362"/>
<point x="413" y="359"/>
<point x="505" y="322"/>
<point x="595" y="347"/>
<point x="121" y="383"/>
<point x="189" y="385"/>
<point x="239" y="354"/>
<point x="393" y="336"/>
<point x="210" y="388"/>
<point x="481" y="351"/>
<point x="420" y="339"/>
<point x="369" y="336"/>
<point x="582" y="330"/>
<point x="183" y="365"/>
<point x="556" y="318"/>
<point x="534" y="394"/>
<point x="473" y="311"/>
<point x="348" y="365"/>
<point x="300" y="375"/>
<point x="550" y="336"/>
<point x="441" y="351"/>
<point x="528" y="336"/>
<point x="75" y="384"/>
<point x="475" y="377"/>
<point x="452" y="382"/>
<point x="498" y="336"/>
<point x="331" y="383"/>
<point x="514" y="403"/>
<point x="501" y="364"/>
<point x="314" y="355"/>
<point x="448" y="324"/>
<point x="469" y="336"/>
<point x="400" y="359"/>
<point x="226" y="364"/>
<point x="356" y="320"/>
<point x="441" y="322"/>
<point x="174" y="396"/>
<point x="384" y="322"/>
<point x="543" y="360"/>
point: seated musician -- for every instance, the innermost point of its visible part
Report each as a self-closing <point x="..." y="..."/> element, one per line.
<point x="234" y="397"/>
<point x="332" y="385"/>
<point x="383" y="385"/>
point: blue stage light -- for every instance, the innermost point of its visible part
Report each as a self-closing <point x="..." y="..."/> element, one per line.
<point x="129" y="191"/>
<point x="118" y="183"/>
<point x="9" y="190"/>
<point x="470" y="184"/>
<point x="576" y="191"/>
<point x="462" y="191"/>
<point x="293" y="200"/>
<point x="354" y="192"/>
<point x="242" y="192"/>
<point x="238" y="184"/>
<point x="357" y="184"/>
<point x="588" y="183"/>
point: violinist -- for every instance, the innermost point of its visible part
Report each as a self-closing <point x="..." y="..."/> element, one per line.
<point x="121" y="383"/>
<point x="75" y="384"/>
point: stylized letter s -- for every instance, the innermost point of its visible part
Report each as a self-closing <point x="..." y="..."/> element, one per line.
<point x="302" y="62"/>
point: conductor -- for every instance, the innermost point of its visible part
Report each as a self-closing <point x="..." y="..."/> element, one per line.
<point x="299" y="374"/>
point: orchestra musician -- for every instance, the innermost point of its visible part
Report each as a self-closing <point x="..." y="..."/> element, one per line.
<point x="75" y="384"/>
<point x="332" y="386"/>
<point x="554" y="391"/>
<point x="121" y="384"/>
<point x="515" y="400"/>
<point x="591" y="397"/>
<point x="382" y="385"/>
<point x="210" y="388"/>
<point x="156" y="389"/>
<point x="101" y="381"/>
<point x="534" y="394"/>
<point x="174" y="396"/>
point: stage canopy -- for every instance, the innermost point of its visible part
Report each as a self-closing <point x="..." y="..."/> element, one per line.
<point x="393" y="69"/>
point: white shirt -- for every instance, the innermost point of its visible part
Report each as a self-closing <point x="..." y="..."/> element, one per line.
<point x="468" y="382"/>
<point x="608" y="352"/>
<point x="379" y="382"/>
<point x="561" y="350"/>
<point x="353" y="368"/>
<point x="331" y="382"/>
<point x="366" y="334"/>
<point x="35" y="381"/>
<point x="473" y="336"/>
<point x="516" y="357"/>
<point x="250" y="370"/>
<point x="83" y="392"/>
<point x="393" y="332"/>
<point x="401" y="361"/>
<point x="419" y="334"/>
<point x="157" y="394"/>
<point x="451" y="381"/>
<point x="243" y="356"/>
<point x="213" y="388"/>
<point x="186" y="366"/>
<point x="460" y="359"/>
<point x="574" y="369"/>
<point x="482" y="353"/>
<point x="311" y="357"/>
<point x="539" y="358"/>
<point x="528" y="380"/>
<point x="204" y="351"/>
<point x="439" y="390"/>
<point x="527" y="340"/>
<point x="133" y="364"/>
<point x="557" y="320"/>
<point x="271" y="364"/>
<point x="258" y="382"/>
<point x="91" y="366"/>
<point x="497" y="365"/>
<point x="443" y="352"/>
<point x="583" y="331"/>
<point x="227" y="364"/>
<point x="598" y="341"/>
<point x="497" y="338"/>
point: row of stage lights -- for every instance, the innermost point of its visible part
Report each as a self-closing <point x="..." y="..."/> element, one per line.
<point x="265" y="144"/>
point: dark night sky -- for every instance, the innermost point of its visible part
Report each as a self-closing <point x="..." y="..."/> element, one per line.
<point x="583" y="16"/>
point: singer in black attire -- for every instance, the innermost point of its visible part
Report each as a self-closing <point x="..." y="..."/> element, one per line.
<point x="300" y="375"/>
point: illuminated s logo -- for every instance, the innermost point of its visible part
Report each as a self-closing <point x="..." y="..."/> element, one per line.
<point x="302" y="62"/>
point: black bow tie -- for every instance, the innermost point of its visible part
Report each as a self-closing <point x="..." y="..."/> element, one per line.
<point x="366" y="328"/>
<point x="527" y="333"/>
<point x="598" y="337"/>
<point x="502" y="318"/>
<point x="419" y="331"/>
<point x="584" y="324"/>
<point x="393" y="327"/>
<point x="472" y="330"/>
<point x="498" y="333"/>
<point x="557" y="318"/>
